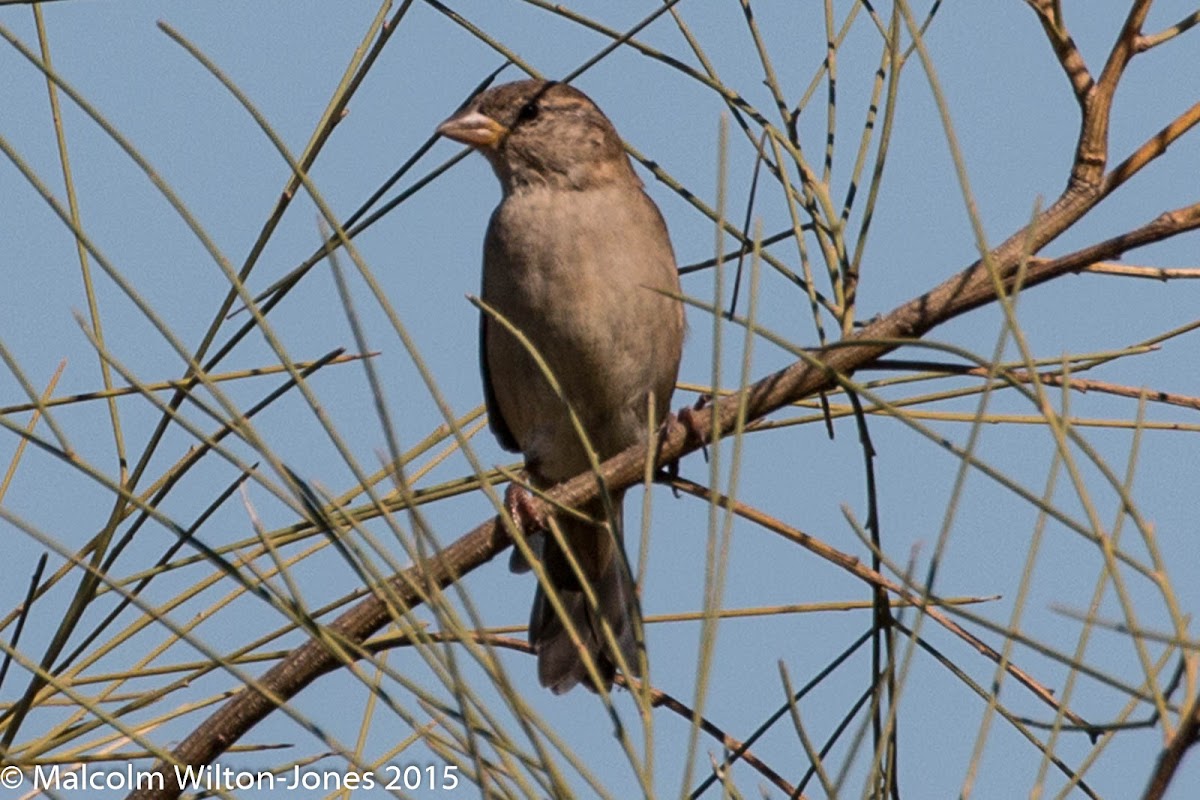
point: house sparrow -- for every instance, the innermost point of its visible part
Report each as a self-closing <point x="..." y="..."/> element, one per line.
<point x="578" y="259"/>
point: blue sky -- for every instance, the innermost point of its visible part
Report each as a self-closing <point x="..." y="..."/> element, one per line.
<point x="1015" y="121"/>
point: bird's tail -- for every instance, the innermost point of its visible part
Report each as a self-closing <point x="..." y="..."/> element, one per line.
<point x="601" y="559"/>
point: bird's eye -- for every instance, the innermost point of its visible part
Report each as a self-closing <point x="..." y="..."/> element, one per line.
<point x="528" y="112"/>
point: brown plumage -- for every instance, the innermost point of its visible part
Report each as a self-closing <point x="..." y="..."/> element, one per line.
<point x="577" y="258"/>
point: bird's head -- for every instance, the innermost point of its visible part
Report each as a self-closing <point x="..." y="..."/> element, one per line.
<point x="541" y="133"/>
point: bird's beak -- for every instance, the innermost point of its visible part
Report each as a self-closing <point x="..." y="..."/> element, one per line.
<point x="473" y="128"/>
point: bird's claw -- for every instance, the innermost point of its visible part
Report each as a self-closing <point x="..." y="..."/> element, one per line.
<point x="695" y="435"/>
<point x="528" y="524"/>
<point x="525" y="516"/>
<point x="687" y="418"/>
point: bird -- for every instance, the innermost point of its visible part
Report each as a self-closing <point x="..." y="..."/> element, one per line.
<point x="578" y="259"/>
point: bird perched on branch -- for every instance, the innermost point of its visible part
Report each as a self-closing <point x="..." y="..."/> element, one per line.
<point x="577" y="259"/>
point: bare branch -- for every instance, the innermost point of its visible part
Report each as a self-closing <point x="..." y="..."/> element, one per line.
<point x="1153" y="273"/>
<point x="1172" y="755"/>
<point x="1064" y="48"/>
<point x="1091" y="153"/>
<point x="1151" y="149"/>
<point x="1144" y="43"/>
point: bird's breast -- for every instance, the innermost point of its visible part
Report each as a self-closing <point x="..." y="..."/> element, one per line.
<point x="581" y="275"/>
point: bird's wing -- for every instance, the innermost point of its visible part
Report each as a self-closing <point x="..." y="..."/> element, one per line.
<point x="495" y="419"/>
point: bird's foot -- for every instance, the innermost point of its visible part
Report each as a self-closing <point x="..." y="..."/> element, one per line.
<point x="524" y="513"/>
<point x="687" y="418"/>
<point x="695" y="435"/>
<point x="528" y="523"/>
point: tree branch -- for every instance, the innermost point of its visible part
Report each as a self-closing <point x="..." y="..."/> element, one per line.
<point x="969" y="289"/>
